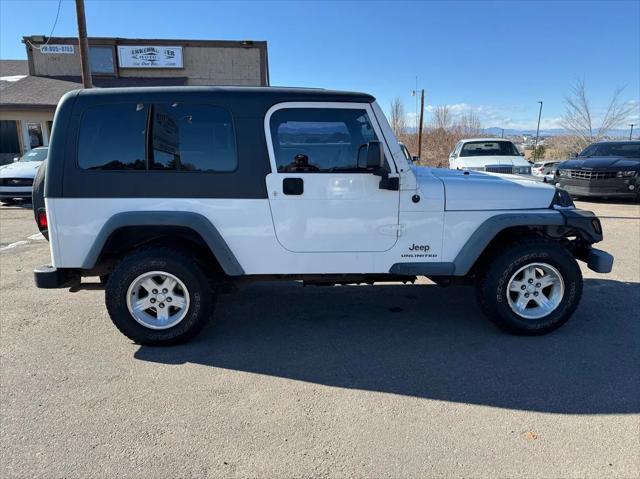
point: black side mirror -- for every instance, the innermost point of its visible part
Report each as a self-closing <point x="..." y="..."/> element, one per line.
<point x="375" y="155"/>
<point x="415" y="158"/>
<point x="576" y="155"/>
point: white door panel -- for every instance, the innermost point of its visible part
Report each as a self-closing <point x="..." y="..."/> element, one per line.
<point x="335" y="213"/>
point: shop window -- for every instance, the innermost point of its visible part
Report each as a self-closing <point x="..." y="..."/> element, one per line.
<point x="9" y="142"/>
<point x="35" y="135"/>
<point x="101" y="60"/>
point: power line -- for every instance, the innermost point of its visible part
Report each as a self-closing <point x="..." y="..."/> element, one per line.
<point x="55" y="22"/>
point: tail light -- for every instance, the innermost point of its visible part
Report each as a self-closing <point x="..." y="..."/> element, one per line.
<point x="42" y="219"/>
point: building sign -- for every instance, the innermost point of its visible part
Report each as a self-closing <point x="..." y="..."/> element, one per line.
<point x="57" y="49"/>
<point x="149" y="57"/>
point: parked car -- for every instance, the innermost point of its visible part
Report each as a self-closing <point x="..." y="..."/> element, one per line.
<point x="172" y="194"/>
<point x="606" y="169"/>
<point x="16" y="179"/>
<point x="493" y="155"/>
<point x="543" y="168"/>
<point x="550" y="177"/>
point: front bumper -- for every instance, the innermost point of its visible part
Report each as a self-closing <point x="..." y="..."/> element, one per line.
<point x="599" y="261"/>
<point x="616" y="187"/>
<point x="15" y="192"/>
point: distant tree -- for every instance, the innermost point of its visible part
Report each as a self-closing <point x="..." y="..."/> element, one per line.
<point x="469" y="124"/>
<point x="578" y="117"/>
<point x="398" y="117"/>
<point x="442" y="117"/>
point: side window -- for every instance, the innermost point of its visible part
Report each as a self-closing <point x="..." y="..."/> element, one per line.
<point x="320" y="140"/>
<point x="192" y="137"/>
<point x="112" y="137"/>
<point x="182" y="137"/>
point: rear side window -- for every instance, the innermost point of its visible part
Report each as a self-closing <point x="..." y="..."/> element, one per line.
<point x="190" y="137"/>
<point x="112" y="137"/>
<point x="160" y="136"/>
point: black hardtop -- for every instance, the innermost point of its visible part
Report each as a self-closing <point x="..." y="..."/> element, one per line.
<point x="259" y="95"/>
<point x="247" y="105"/>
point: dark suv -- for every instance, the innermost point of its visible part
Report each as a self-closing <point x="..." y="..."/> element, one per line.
<point x="610" y="168"/>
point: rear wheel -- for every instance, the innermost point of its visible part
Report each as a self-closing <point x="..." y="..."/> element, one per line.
<point x="531" y="288"/>
<point x="159" y="297"/>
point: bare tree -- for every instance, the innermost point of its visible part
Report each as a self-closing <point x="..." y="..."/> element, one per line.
<point x="469" y="124"/>
<point x="397" y="117"/>
<point x="442" y="117"/>
<point x="578" y="117"/>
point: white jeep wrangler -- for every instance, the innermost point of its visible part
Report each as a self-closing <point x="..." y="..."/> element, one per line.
<point x="168" y="194"/>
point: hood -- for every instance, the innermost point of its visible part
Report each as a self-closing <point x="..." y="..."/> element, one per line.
<point x="471" y="190"/>
<point x="479" y="161"/>
<point x="608" y="162"/>
<point x="20" y="169"/>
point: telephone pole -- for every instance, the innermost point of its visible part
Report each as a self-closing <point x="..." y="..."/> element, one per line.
<point x="83" y="45"/>
<point x="631" y="132"/>
<point x="420" y="127"/>
<point x="535" y="146"/>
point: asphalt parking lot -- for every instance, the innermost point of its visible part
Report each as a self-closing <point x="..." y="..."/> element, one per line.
<point x="385" y="381"/>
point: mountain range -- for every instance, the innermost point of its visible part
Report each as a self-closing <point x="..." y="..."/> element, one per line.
<point x="495" y="131"/>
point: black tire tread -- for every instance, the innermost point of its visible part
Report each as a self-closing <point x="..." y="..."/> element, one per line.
<point x="512" y="253"/>
<point x="202" y="304"/>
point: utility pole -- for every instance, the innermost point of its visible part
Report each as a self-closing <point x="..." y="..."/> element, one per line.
<point x="420" y="127"/>
<point x="631" y="132"/>
<point x="535" y="146"/>
<point x="502" y="134"/>
<point x="83" y="45"/>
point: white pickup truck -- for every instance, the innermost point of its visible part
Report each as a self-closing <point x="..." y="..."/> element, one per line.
<point x="168" y="194"/>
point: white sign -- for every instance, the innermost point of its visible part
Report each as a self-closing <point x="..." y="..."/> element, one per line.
<point x="149" y="57"/>
<point x="57" y="49"/>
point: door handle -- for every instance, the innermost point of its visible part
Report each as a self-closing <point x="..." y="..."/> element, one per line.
<point x="292" y="186"/>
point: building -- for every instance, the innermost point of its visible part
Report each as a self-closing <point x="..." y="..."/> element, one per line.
<point x="30" y="89"/>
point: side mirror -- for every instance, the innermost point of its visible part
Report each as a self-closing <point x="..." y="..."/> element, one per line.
<point x="375" y="155"/>
<point x="576" y="155"/>
<point x="415" y="158"/>
<point x="522" y="153"/>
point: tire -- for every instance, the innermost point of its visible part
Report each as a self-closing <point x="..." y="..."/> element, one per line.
<point x="511" y="268"/>
<point x="192" y="289"/>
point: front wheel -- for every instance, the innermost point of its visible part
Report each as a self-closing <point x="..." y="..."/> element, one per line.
<point x="530" y="288"/>
<point x="159" y="297"/>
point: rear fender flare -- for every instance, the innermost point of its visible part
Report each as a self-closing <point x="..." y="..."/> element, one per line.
<point x="185" y="219"/>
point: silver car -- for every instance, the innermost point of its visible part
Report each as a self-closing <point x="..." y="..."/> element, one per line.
<point x="16" y="179"/>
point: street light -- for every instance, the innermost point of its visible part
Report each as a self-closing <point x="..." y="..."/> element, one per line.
<point x="631" y="132"/>
<point x="535" y="146"/>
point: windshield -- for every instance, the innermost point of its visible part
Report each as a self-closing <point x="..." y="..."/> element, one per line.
<point x="489" y="148"/>
<point x="39" y="154"/>
<point x="629" y="150"/>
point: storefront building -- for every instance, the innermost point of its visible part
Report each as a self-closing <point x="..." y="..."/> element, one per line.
<point x="30" y="89"/>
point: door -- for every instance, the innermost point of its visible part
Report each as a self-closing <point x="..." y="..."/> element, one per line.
<point x="322" y="196"/>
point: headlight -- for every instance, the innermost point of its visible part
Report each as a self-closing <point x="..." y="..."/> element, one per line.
<point x="564" y="173"/>
<point x="626" y="174"/>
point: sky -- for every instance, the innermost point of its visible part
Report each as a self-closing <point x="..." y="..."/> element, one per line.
<point x="496" y="58"/>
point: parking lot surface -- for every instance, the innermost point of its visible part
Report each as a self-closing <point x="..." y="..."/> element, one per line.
<point x="384" y="381"/>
